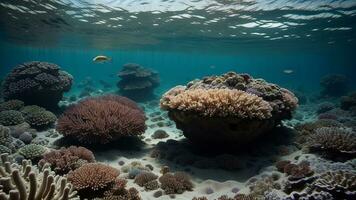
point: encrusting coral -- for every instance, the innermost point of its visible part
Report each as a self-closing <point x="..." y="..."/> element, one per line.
<point x="102" y="119"/>
<point x="24" y="182"/>
<point x="176" y="183"/>
<point x="66" y="159"/>
<point x="231" y="108"/>
<point x="333" y="140"/>
<point x="38" y="83"/>
<point x="93" y="179"/>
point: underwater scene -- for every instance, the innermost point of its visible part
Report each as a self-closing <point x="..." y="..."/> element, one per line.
<point x="177" y="99"/>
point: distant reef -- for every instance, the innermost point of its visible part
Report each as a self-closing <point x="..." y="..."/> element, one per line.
<point x="137" y="82"/>
<point x="228" y="109"/>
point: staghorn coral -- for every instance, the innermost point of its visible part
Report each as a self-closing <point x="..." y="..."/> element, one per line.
<point x="102" y="120"/>
<point x="137" y="82"/>
<point x="93" y="179"/>
<point x="27" y="183"/>
<point x="147" y="180"/>
<point x="333" y="140"/>
<point x="40" y="119"/>
<point x="38" y="83"/>
<point x="66" y="159"/>
<point x="32" y="151"/>
<point x="340" y="184"/>
<point x="11" y="117"/>
<point x="175" y="183"/>
<point x="221" y="103"/>
<point x="228" y="109"/>
<point x="11" y="105"/>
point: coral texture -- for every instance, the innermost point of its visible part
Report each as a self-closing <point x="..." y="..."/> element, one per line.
<point x="333" y="85"/>
<point x="11" y="117"/>
<point x="38" y="83"/>
<point x="137" y="82"/>
<point x="32" y="151"/>
<point x="147" y="180"/>
<point x="102" y="120"/>
<point x="24" y="182"/>
<point x="349" y="101"/>
<point x="11" y="105"/>
<point x="66" y="159"/>
<point x="175" y="183"/>
<point x="231" y="108"/>
<point x="93" y="179"/>
<point x="333" y="140"/>
<point x="40" y="119"/>
<point x="6" y="140"/>
<point x="119" y="192"/>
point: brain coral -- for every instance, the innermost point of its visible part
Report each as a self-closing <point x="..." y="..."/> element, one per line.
<point x="66" y="159"/>
<point x="102" y="119"/>
<point x="333" y="140"/>
<point x="231" y="108"/>
<point x="38" y="83"/>
<point x="93" y="179"/>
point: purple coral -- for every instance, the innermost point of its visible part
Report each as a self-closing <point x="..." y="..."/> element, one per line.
<point x="38" y="83"/>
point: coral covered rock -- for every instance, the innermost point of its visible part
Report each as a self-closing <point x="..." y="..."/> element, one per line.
<point x="231" y="108"/>
<point x="25" y="182"/>
<point x="333" y="140"/>
<point x="38" y="83"/>
<point x="93" y="179"/>
<point x="333" y="85"/>
<point x="137" y="82"/>
<point x="66" y="159"/>
<point x="175" y="183"/>
<point x="11" y="117"/>
<point x="102" y="119"/>
<point x="349" y="101"/>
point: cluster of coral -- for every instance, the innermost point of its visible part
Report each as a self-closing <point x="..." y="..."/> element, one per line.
<point x="37" y="83"/>
<point x="231" y="108"/>
<point x="137" y="82"/>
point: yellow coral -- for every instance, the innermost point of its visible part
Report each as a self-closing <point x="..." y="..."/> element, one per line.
<point x="217" y="102"/>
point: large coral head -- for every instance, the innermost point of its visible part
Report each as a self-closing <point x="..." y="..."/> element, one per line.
<point x="102" y="119"/>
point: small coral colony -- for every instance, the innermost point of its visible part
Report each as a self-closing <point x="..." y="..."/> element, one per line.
<point x="286" y="150"/>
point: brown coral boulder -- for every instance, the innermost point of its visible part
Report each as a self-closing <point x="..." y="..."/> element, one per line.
<point x="229" y="109"/>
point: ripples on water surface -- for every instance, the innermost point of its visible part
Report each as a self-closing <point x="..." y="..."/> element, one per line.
<point x="228" y="23"/>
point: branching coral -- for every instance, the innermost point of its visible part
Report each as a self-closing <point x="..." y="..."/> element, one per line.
<point x="333" y="140"/>
<point x="66" y="159"/>
<point x="38" y="83"/>
<point x="119" y="192"/>
<point x="24" y="182"/>
<point x="175" y="183"/>
<point x="221" y="103"/>
<point x="93" y="179"/>
<point x="147" y="180"/>
<point x="102" y="119"/>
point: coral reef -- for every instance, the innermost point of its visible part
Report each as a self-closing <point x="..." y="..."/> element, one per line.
<point x="137" y="82"/>
<point x="225" y="197"/>
<point x="349" y="101"/>
<point x="32" y="151"/>
<point x="24" y="182"/>
<point x="333" y="85"/>
<point x="11" y="117"/>
<point x="119" y="192"/>
<point x="102" y="119"/>
<point x="40" y="119"/>
<point x="38" y="83"/>
<point x="11" y="105"/>
<point x="66" y="159"/>
<point x="148" y="180"/>
<point x="6" y="140"/>
<point x="324" y="107"/>
<point x="93" y="179"/>
<point x="231" y="108"/>
<point x="333" y="140"/>
<point x="175" y="183"/>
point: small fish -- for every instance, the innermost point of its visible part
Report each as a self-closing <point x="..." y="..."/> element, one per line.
<point x="101" y="59"/>
<point x="212" y="67"/>
<point x="288" y="71"/>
